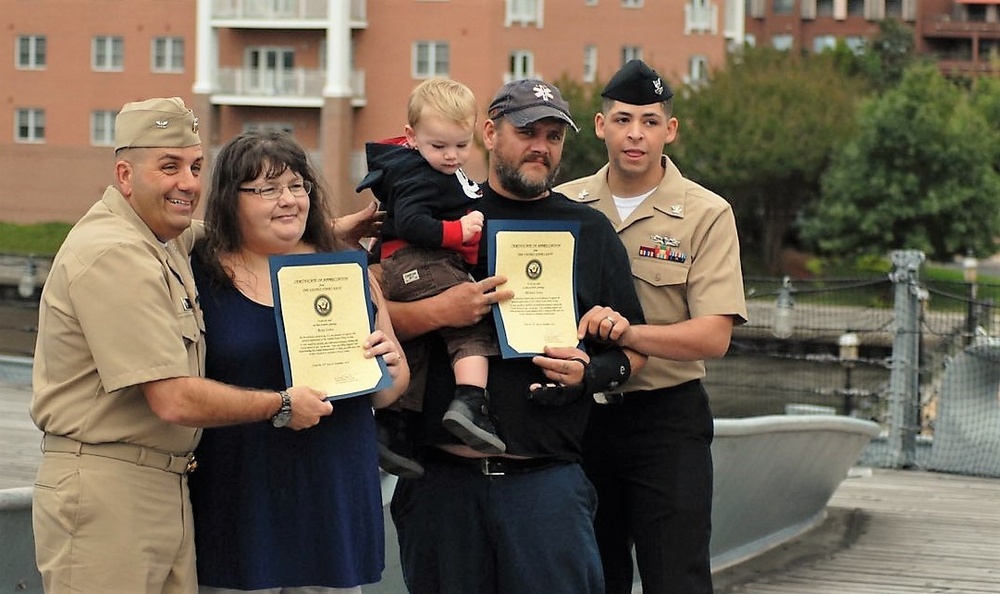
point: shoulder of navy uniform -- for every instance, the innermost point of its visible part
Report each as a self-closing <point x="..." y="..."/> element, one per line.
<point x="574" y="189"/>
<point x="696" y="195"/>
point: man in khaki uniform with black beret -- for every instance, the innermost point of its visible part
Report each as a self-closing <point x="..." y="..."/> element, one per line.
<point x="117" y="386"/>
<point x="648" y="448"/>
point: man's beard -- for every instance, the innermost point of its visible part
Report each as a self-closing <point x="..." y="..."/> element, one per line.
<point x="512" y="180"/>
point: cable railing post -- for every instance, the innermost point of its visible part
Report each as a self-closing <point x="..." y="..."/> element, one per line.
<point x="904" y="374"/>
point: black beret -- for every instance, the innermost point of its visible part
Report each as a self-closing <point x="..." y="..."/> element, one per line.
<point x="637" y="84"/>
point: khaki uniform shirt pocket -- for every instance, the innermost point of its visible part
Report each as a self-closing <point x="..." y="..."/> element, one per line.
<point x="662" y="289"/>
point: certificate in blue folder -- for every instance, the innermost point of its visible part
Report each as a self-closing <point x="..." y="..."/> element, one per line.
<point x="537" y="257"/>
<point x="324" y="313"/>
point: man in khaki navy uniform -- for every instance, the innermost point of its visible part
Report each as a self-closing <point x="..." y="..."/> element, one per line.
<point x="117" y="386"/>
<point x="648" y="449"/>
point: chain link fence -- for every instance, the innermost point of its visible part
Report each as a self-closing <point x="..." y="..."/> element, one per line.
<point x="921" y="358"/>
<point x="928" y="375"/>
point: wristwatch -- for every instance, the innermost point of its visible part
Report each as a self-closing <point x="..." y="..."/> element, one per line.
<point x="284" y="414"/>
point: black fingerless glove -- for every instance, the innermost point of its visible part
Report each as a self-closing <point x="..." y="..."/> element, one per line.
<point x="607" y="371"/>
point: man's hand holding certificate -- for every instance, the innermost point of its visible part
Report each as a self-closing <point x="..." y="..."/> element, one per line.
<point x="537" y="259"/>
<point x="323" y="308"/>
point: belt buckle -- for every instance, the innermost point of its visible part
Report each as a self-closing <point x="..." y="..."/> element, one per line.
<point x="484" y="465"/>
<point x="192" y="465"/>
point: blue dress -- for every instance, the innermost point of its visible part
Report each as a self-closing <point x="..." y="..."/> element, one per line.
<point x="276" y="507"/>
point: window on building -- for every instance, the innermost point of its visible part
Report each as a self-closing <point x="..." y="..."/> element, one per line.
<point x="524" y="12"/>
<point x="168" y="54"/>
<point x="699" y="17"/>
<point x="631" y="52"/>
<point x="697" y="70"/>
<point x="754" y="8"/>
<point x="29" y="125"/>
<point x="590" y="2"/>
<point x="894" y="9"/>
<point x="632" y="3"/>
<point x="783" y="6"/>
<point x="976" y="13"/>
<point x="269" y="70"/>
<point x="589" y="63"/>
<point x="108" y="53"/>
<point x="522" y="65"/>
<point x="822" y="43"/>
<point x="855" y="8"/>
<point x="855" y="43"/>
<point x="430" y="58"/>
<point x="782" y="42"/>
<point x="31" y="52"/>
<point x="824" y="8"/>
<point x="102" y="128"/>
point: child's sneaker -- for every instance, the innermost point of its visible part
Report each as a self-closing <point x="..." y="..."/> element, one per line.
<point x="468" y="418"/>
<point x="396" y="452"/>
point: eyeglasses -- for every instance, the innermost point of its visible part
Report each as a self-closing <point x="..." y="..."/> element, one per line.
<point x="298" y="189"/>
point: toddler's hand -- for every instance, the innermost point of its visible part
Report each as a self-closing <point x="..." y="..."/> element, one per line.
<point x="472" y="224"/>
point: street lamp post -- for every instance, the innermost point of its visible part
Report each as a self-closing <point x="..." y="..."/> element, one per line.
<point x="848" y="344"/>
<point x="26" y="285"/>
<point x="970" y="271"/>
<point x="783" y="325"/>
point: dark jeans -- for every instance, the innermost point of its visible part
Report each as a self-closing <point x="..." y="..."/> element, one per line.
<point x="461" y="532"/>
<point x="650" y="459"/>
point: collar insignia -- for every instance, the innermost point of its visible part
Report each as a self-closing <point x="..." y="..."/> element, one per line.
<point x="676" y="209"/>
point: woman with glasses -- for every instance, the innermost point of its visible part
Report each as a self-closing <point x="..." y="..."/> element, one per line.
<point x="274" y="509"/>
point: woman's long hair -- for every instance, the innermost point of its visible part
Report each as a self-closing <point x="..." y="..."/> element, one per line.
<point x="242" y="160"/>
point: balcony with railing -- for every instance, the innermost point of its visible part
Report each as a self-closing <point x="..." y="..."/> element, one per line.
<point x="968" y="68"/>
<point x="292" y="87"/>
<point x="271" y="13"/>
<point x="964" y="21"/>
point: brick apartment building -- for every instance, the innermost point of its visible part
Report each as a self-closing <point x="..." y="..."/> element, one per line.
<point x="962" y="35"/>
<point x="337" y="73"/>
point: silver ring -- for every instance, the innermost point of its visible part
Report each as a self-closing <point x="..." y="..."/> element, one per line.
<point x="610" y="319"/>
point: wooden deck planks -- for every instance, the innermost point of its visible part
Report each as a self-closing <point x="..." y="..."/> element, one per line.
<point x="922" y="532"/>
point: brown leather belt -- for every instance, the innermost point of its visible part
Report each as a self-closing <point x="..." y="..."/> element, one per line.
<point x="126" y="452"/>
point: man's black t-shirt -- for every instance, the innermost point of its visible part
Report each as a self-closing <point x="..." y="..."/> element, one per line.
<point x="603" y="277"/>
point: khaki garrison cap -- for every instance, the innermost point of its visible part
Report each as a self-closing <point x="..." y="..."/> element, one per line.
<point x="159" y="122"/>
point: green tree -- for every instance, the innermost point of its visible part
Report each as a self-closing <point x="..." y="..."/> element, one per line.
<point x="986" y="100"/>
<point x="921" y="175"/>
<point x="584" y="153"/>
<point x="888" y="54"/>
<point x="761" y="133"/>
